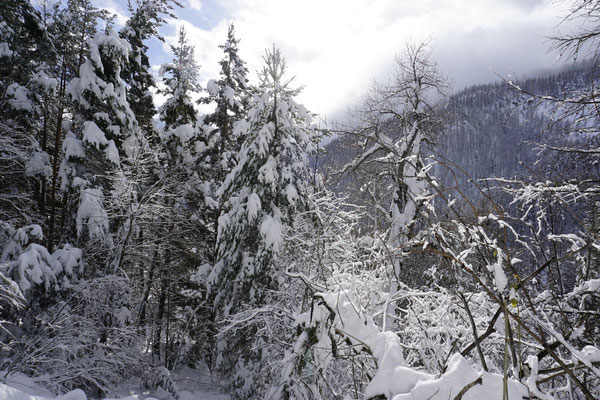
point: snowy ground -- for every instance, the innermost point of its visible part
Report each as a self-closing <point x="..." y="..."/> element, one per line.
<point x="192" y="384"/>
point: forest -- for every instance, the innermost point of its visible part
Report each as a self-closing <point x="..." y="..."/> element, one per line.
<point x="428" y="245"/>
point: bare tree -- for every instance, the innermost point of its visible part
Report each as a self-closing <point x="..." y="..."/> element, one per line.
<point x="392" y="122"/>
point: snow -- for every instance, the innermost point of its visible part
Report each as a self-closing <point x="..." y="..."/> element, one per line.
<point x="253" y="206"/>
<point x="91" y="213"/>
<point x="212" y="87"/>
<point x="459" y="375"/>
<point x="268" y="172"/>
<point x="183" y="133"/>
<point x="240" y="128"/>
<point x="229" y="94"/>
<point x="10" y="393"/>
<point x="33" y="267"/>
<point x="19" y="97"/>
<point x="264" y="138"/>
<point x="199" y="146"/>
<point x="193" y="384"/>
<point x="591" y="353"/>
<point x="36" y="232"/>
<point x="500" y="277"/>
<point x="43" y="80"/>
<point x="110" y="39"/>
<point x="5" y="50"/>
<point x="67" y="260"/>
<point x="532" y="361"/>
<point x="102" y="116"/>
<point x="72" y="147"/>
<point x="88" y="80"/>
<point x="13" y="393"/>
<point x="38" y="165"/>
<point x="76" y="394"/>
<point x="112" y="154"/>
<point x="93" y="135"/>
<point x="272" y="232"/>
<point x="291" y="194"/>
<point x="392" y="378"/>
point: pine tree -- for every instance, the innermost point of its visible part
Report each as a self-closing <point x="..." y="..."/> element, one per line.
<point x="71" y="28"/>
<point x="25" y="87"/>
<point x="185" y="230"/>
<point x="104" y="137"/>
<point x="230" y="94"/>
<point x="141" y="26"/>
<point x="264" y="191"/>
<point x="181" y="81"/>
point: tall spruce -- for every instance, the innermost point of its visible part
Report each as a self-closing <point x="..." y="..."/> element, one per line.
<point x="264" y="191"/>
<point x="104" y="137"/>
<point x="141" y="26"/>
<point x="230" y="95"/>
<point x="71" y="27"/>
<point x="185" y="229"/>
<point x="24" y="85"/>
<point x="181" y="81"/>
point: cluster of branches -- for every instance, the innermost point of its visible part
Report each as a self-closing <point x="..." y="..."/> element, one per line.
<point x="511" y="284"/>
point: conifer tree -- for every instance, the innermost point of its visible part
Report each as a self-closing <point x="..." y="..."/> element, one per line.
<point x="71" y="28"/>
<point x="230" y="94"/>
<point x="23" y="84"/>
<point x="181" y="81"/>
<point x="186" y="229"/>
<point x="141" y="26"/>
<point x="264" y="191"/>
<point x="104" y="137"/>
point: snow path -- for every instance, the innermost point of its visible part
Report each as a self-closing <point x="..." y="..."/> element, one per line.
<point x="193" y="385"/>
<point x="13" y="393"/>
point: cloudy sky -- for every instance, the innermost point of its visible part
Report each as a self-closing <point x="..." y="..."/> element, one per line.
<point x="337" y="47"/>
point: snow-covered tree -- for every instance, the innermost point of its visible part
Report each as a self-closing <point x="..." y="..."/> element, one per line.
<point x="394" y="121"/>
<point x="104" y="137"/>
<point x="25" y="87"/>
<point x="264" y="191"/>
<point x="230" y="94"/>
<point x="188" y="230"/>
<point x="181" y="82"/>
<point x="71" y="25"/>
<point x="142" y="26"/>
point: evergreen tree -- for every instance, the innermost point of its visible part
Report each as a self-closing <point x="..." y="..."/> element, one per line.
<point x="181" y="81"/>
<point x="71" y="28"/>
<point x="186" y="230"/>
<point x="230" y="94"/>
<point x="141" y="26"/>
<point x="264" y="191"/>
<point x="25" y="51"/>
<point x="104" y="137"/>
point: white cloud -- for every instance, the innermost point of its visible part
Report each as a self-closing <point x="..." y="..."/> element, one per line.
<point x="195" y="5"/>
<point x="336" y="47"/>
<point x="114" y="7"/>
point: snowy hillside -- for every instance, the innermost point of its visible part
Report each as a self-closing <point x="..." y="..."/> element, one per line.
<point x="490" y="131"/>
<point x="494" y="129"/>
